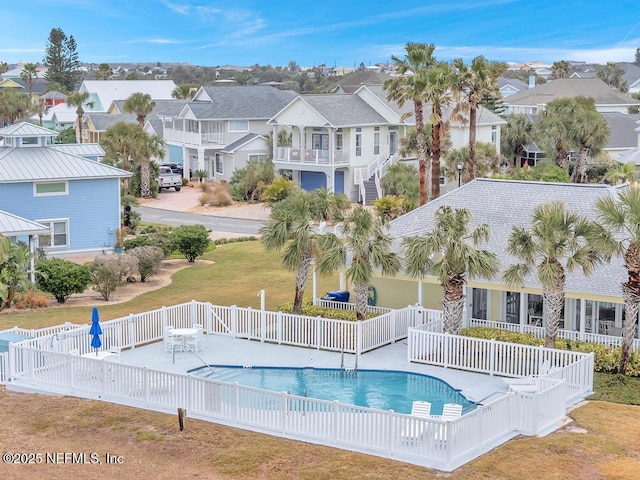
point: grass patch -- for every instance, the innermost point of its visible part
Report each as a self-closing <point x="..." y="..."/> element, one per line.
<point x="616" y="388"/>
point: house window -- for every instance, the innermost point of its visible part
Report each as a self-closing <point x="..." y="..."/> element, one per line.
<point x="358" y="142"/>
<point x="238" y="125"/>
<point x="339" y="139"/>
<point x="376" y="141"/>
<point x="256" y="157"/>
<point x="47" y="189"/>
<point x="29" y="140"/>
<point x="494" y="134"/>
<point x="219" y="164"/>
<point x="58" y="235"/>
<point x="443" y="181"/>
<point x="192" y="126"/>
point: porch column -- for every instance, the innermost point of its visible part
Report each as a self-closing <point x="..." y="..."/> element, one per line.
<point x="201" y="165"/>
<point x="420" y="292"/>
<point x="583" y="317"/>
<point x="524" y="311"/>
<point x="274" y="141"/>
<point x="33" y="241"/>
<point x="465" y="310"/>
<point x="314" y="278"/>
<point x="343" y="281"/>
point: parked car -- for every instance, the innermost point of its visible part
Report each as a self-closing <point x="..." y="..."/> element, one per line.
<point x="169" y="179"/>
<point x="176" y="168"/>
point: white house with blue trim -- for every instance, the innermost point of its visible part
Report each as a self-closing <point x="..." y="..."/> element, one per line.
<point x="76" y="197"/>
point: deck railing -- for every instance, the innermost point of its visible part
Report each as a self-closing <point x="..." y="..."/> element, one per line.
<point x="502" y="358"/>
<point x="539" y="332"/>
<point x="445" y="445"/>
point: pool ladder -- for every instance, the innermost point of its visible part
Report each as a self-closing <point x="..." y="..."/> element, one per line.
<point x="345" y="369"/>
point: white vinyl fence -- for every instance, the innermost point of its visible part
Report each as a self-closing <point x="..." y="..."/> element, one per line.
<point x="445" y="445"/>
<point x="503" y="358"/>
<point x="539" y="332"/>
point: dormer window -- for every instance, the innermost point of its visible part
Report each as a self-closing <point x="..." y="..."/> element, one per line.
<point x="30" y="141"/>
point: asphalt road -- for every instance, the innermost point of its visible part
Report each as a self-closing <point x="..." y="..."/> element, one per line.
<point x="217" y="224"/>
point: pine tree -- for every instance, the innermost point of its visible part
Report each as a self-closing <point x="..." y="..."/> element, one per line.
<point x="61" y="60"/>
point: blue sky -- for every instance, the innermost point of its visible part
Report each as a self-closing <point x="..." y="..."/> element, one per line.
<point x="342" y="33"/>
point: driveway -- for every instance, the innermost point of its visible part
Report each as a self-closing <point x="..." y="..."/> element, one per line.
<point x="183" y="208"/>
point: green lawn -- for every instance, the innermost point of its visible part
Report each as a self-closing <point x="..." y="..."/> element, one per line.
<point x="240" y="270"/>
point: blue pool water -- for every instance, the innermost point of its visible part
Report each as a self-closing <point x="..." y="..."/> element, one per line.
<point x="379" y="389"/>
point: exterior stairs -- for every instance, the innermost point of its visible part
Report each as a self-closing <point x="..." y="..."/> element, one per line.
<point x="371" y="192"/>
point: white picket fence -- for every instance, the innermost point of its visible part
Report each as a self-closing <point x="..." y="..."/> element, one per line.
<point x="445" y="445"/>
<point x="539" y="332"/>
<point x="43" y="363"/>
<point x="502" y="358"/>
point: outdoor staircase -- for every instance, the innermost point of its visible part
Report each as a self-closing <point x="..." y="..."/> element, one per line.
<point x="370" y="191"/>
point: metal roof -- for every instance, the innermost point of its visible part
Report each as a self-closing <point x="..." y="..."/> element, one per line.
<point x="81" y="149"/>
<point x="106" y="91"/>
<point x="25" y="129"/>
<point x="502" y="204"/>
<point x="45" y="163"/>
<point x="12" y="226"/>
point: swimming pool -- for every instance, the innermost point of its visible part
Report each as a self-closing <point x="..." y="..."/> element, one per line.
<point x="379" y="389"/>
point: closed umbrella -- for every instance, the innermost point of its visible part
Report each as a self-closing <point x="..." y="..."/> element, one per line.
<point x="95" y="330"/>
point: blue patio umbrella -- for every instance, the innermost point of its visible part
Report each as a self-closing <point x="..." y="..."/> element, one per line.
<point x="95" y="330"/>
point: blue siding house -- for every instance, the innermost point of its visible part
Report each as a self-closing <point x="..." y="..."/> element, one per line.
<point x="75" y="196"/>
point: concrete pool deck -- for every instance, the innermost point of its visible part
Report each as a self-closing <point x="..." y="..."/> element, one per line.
<point x="223" y="350"/>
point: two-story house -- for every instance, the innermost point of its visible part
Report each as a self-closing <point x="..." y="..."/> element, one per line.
<point x="62" y="188"/>
<point x="224" y="126"/>
<point x="345" y="142"/>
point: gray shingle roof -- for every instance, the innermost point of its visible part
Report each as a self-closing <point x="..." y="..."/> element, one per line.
<point x="44" y="163"/>
<point x="502" y="204"/>
<point x="514" y="82"/>
<point x="102" y="121"/>
<point x="11" y="225"/>
<point x="344" y="110"/>
<point x="240" y="142"/>
<point x="570" y="87"/>
<point x="622" y="128"/>
<point x="240" y="102"/>
<point x="163" y="107"/>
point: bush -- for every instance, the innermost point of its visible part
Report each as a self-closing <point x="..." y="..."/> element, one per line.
<point x="249" y="182"/>
<point x="311" y="310"/>
<point x="389" y="207"/>
<point x="280" y="189"/>
<point x="191" y="241"/>
<point x="149" y="259"/>
<point x="161" y="240"/>
<point x="109" y="271"/>
<point x="30" y="299"/>
<point x="222" y="241"/>
<point x="216" y="195"/>
<point x="61" y="278"/>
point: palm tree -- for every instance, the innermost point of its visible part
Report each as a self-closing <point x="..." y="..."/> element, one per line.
<point x="27" y="74"/>
<point x="291" y="228"/>
<point x="104" y="72"/>
<point x="613" y="75"/>
<point x="473" y="83"/>
<point x="515" y="136"/>
<point x="557" y="241"/>
<point x="13" y="269"/>
<point x="620" y="218"/>
<point x="553" y="130"/>
<point x="409" y="85"/>
<point x="450" y="253"/>
<point x="625" y="172"/>
<point x="560" y="69"/>
<point x="142" y="105"/>
<point x="78" y="99"/>
<point x="487" y="161"/>
<point x="590" y="134"/>
<point x="364" y="239"/>
<point x="438" y="94"/>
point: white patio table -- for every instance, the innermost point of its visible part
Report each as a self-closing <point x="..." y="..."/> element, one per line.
<point x="101" y="355"/>
<point x="184" y="334"/>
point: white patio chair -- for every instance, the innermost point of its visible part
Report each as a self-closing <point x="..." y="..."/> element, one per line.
<point x="414" y="429"/>
<point x="170" y="339"/>
<point x="195" y="342"/>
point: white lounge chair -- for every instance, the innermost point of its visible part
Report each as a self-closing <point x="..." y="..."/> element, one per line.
<point x="413" y="428"/>
<point x="450" y="411"/>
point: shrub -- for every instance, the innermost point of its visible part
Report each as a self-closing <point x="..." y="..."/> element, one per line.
<point x="222" y="241"/>
<point x="61" y="278"/>
<point x="249" y="182"/>
<point x="191" y="241"/>
<point x="30" y="299"/>
<point x="280" y="189"/>
<point x="149" y="259"/>
<point x="109" y="271"/>
<point x="164" y="241"/>
<point x="311" y="310"/>
<point x="389" y="207"/>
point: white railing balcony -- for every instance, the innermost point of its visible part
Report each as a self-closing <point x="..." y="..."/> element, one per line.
<point x="192" y="138"/>
<point x="301" y="156"/>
